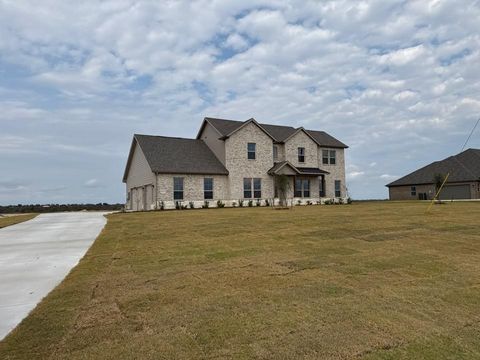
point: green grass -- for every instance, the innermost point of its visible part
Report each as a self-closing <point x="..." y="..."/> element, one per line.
<point x="371" y="280"/>
<point x="15" y="219"/>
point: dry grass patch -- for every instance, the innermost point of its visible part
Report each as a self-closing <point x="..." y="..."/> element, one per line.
<point x="7" y="220"/>
<point x="370" y="280"/>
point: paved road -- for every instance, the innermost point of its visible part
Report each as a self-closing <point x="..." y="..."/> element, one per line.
<point x="36" y="255"/>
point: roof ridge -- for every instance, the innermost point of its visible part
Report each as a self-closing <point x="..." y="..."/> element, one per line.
<point x="167" y="137"/>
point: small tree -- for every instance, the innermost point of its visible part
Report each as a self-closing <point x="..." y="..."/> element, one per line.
<point x="438" y="180"/>
<point x="283" y="186"/>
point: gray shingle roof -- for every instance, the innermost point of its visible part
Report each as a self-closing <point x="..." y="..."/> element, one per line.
<point x="462" y="167"/>
<point x="278" y="132"/>
<point x="170" y="155"/>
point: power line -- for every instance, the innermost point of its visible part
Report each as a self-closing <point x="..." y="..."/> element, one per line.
<point x="469" y="136"/>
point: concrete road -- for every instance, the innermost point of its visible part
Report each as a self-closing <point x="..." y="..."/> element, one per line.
<point x="36" y="255"/>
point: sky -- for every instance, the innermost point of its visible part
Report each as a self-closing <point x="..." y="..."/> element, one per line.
<point x="397" y="81"/>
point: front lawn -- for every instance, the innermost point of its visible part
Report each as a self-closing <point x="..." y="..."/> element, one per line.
<point x="8" y="220"/>
<point x="379" y="280"/>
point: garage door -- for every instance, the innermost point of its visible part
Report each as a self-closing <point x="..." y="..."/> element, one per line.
<point x="455" y="192"/>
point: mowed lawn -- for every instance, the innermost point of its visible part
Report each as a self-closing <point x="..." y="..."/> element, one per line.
<point x="15" y="219"/>
<point x="378" y="280"/>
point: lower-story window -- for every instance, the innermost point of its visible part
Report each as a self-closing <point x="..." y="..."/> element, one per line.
<point x="302" y="188"/>
<point x="178" y="188"/>
<point x="321" y="187"/>
<point x="413" y="190"/>
<point x="252" y="183"/>
<point x="338" y="186"/>
<point x="208" y="188"/>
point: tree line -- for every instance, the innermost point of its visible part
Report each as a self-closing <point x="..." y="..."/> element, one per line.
<point x="43" y="208"/>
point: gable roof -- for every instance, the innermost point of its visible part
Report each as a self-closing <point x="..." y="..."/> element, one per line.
<point x="278" y="133"/>
<point x="462" y="167"/>
<point x="275" y="170"/>
<point x="170" y="155"/>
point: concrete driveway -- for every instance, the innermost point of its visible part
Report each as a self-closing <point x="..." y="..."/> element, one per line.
<point x="36" y="255"/>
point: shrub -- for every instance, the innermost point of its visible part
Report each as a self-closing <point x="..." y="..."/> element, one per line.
<point x="259" y="202"/>
<point x="178" y="206"/>
<point x="206" y="204"/>
<point x="309" y="202"/>
<point x="162" y="205"/>
<point x="191" y="204"/>
<point x="234" y="204"/>
<point x="220" y="204"/>
<point x="299" y="202"/>
<point x="328" y="202"/>
<point x="240" y="203"/>
<point x="267" y="203"/>
<point x="250" y="203"/>
<point x="349" y="200"/>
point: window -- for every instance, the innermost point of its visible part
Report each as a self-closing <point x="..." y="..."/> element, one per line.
<point x="251" y="151"/>
<point x="247" y="188"/>
<point x="275" y="153"/>
<point x="329" y="157"/>
<point x="302" y="188"/>
<point x="338" y="191"/>
<point x="413" y="191"/>
<point x="208" y="188"/>
<point x="321" y="187"/>
<point x="325" y="157"/>
<point x="257" y="188"/>
<point x="301" y="154"/>
<point x="333" y="157"/>
<point x="177" y="188"/>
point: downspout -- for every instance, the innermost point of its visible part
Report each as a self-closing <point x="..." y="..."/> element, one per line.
<point x="156" y="191"/>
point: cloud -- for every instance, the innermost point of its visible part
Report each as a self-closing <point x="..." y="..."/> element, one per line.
<point x="92" y="183"/>
<point x="397" y="81"/>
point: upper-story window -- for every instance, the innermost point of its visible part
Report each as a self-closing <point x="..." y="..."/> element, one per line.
<point x="251" y="151"/>
<point x="329" y="157"/>
<point x="178" y="188"/>
<point x="208" y="188"/>
<point x="301" y="154"/>
<point x="275" y="152"/>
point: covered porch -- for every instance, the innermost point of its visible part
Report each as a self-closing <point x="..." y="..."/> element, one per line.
<point x="304" y="183"/>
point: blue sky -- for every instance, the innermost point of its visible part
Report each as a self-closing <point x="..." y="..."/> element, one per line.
<point x="398" y="81"/>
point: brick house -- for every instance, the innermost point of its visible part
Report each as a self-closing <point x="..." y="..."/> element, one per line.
<point x="463" y="181"/>
<point x="233" y="161"/>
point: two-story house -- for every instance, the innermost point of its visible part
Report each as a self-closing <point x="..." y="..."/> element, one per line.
<point x="233" y="161"/>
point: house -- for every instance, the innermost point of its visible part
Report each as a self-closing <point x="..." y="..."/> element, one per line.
<point x="233" y="161"/>
<point x="462" y="183"/>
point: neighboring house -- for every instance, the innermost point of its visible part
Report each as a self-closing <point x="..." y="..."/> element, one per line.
<point x="463" y="181"/>
<point x="233" y="161"/>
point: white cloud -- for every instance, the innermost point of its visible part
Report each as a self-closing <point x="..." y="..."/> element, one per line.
<point x="391" y="79"/>
<point x="402" y="56"/>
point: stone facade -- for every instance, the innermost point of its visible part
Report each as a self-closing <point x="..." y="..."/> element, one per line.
<point x="240" y="167"/>
<point x="336" y="172"/>
<point x="192" y="190"/>
<point x="301" y="139"/>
